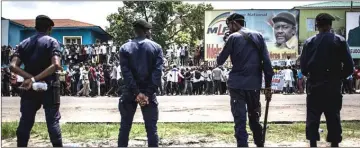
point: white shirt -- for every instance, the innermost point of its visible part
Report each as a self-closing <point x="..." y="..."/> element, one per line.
<point x="113" y="49"/>
<point x="77" y="50"/>
<point x="209" y="75"/>
<point x="85" y="75"/>
<point x="288" y="75"/>
<point x="168" y="76"/>
<point x="162" y="76"/>
<point x="96" y="50"/>
<point x="103" y="49"/>
<point x="288" y="62"/>
<point x="182" y="52"/>
<point x="113" y="74"/>
<point x="178" y="53"/>
<point x="87" y="50"/>
<point x="203" y="75"/>
<point x="223" y="76"/>
<point x="81" y="72"/>
<point x="166" y="64"/>
<point x="175" y="75"/>
<point x="118" y="71"/>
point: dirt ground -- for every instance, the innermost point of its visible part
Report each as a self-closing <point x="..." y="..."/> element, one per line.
<point x="188" y="141"/>
<point x="283" y="108"/>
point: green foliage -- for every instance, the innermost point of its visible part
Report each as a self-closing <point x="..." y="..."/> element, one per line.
<point x="173" y="22"/>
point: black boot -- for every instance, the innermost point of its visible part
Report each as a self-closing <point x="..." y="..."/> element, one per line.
<point x="334" y="144"/>
<point x="260" y="145"/>
<point x="313" y="143"/>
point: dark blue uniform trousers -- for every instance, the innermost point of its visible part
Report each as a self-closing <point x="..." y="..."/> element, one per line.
<point x="30" y="103"/>
<point x="324" y="98"/>
<point x="243" y="101"/>
<point x="127" y="108"/>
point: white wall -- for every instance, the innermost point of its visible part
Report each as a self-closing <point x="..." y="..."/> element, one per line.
<point x="4" y="32"/>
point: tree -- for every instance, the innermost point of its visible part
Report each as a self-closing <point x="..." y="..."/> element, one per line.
<point x="173" y="22"/>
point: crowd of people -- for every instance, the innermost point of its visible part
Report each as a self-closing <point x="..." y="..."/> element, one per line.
<point x="6" y="51"/>
<point x="94" y="70"/>
<point x="88" y="70"/>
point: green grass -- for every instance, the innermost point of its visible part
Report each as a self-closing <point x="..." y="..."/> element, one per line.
<point x="221" y="131"/>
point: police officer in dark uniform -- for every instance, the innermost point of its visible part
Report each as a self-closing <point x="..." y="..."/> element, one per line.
<point x="249" y="57"/>
<point x="325" y="60"/>
<point x="141" y="61"/>
<point x="40" y="55"/>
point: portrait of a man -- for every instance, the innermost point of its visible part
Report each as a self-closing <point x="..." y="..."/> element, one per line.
<point x="285" y="31"/>
<point x="354" y="35"/>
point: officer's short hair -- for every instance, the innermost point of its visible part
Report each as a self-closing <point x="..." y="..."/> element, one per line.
<point x="142" y="24"/>
<point x="43" y="23"/>
<point x="324" y="19"/>
<point x="236" y="17"/>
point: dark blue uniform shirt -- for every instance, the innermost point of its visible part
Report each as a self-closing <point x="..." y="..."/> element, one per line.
<point x="246" y="72"/>
<point x="326" y="56"/>
<point x="141" y="62"/>
<point x="36" y="52"/>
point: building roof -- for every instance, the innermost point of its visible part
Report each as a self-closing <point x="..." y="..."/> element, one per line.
<point x="331" y="4"/>
<point x="62" y="24"/>
<point x="57" y="22"/>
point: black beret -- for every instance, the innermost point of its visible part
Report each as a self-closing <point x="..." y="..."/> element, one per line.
<point x="235" y="16"/>
<point x="44" y="17"/>
<point x="324" y="17"/>
<point x="142" y="23"/>
<point x="285" y="17"/>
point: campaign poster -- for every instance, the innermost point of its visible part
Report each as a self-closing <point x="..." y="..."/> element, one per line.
<point x="278" y="27"/>
<point x="277" y="82"/>
<point x="353" y="33"/>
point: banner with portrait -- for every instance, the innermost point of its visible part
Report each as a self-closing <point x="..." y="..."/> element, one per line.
<point x="353" y="33"/>
<point x="278" y="27"/>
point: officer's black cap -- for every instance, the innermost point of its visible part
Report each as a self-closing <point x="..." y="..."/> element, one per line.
<point x="142" y="23"/>
<point x="285" y="17"/>
<point x="234" y="17"/>
<point x="324" y="18"/>
<point x="40" y="18"/>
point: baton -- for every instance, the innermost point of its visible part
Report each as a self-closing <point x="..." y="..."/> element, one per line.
<point x="265" y="120"/>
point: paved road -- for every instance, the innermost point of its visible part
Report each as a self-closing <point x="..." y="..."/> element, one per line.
<point x="178" y="109"/>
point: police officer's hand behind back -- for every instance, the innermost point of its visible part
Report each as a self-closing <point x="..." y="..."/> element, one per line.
<point x="268" y="94"/>
<point x="142" y="99"/>
<point x="26" y="85"/>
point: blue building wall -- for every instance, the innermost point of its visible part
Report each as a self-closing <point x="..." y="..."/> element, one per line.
<point x="14" y="35"/>
<point x="97" y="36"/>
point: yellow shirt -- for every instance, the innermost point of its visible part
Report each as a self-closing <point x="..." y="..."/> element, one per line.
<point x="292" y="43"/>
<point x="62" y="76"/>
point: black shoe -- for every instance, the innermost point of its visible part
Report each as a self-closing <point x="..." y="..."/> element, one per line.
<point x="334" y="144"/>
<point x="313" y="143"/>
<point x="260" y="145"/>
